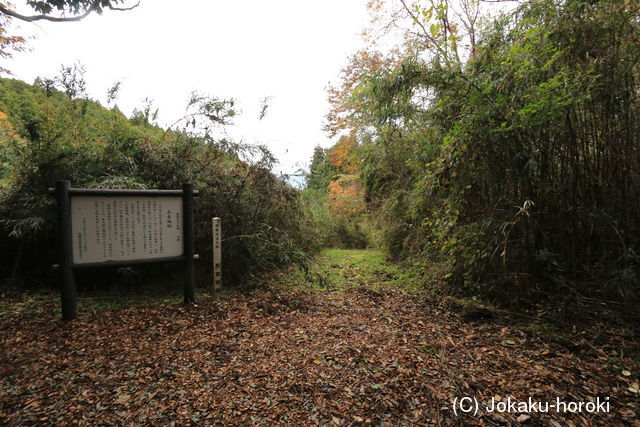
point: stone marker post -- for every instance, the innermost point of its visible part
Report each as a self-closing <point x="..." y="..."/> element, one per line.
<point x="216" y="235"/>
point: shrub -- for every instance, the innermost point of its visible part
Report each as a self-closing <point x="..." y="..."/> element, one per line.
<point x="46" y="136"/>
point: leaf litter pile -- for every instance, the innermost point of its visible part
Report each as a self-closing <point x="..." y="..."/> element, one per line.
<point x="360" y="356"/>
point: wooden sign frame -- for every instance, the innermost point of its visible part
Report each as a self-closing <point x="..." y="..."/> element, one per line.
<point x="64" y="193"/>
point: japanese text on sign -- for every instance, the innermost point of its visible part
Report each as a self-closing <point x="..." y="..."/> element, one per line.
<point x="125" y="228"/>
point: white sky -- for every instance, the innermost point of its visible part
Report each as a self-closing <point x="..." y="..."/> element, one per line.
<point x="246" y="49"/>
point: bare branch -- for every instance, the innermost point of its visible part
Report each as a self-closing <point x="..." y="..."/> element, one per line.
<point x="124" y="9"/>
<point x="415" y="19"/>
<point x="426" y="34"/>
<point x="32" y="18"/>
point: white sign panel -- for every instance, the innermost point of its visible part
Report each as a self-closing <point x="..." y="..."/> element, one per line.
<point x="125" y="228"/>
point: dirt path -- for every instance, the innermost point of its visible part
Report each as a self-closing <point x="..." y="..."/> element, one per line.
<point x="350" y="356"/>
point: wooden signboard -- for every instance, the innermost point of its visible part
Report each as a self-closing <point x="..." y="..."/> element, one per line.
<point x="123" y="227"/>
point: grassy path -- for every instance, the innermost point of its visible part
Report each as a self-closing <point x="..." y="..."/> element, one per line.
<point x="363" y="350"/>
<point x="344" y="269"/>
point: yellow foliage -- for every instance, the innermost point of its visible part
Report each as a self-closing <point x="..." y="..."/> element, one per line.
<point x="6" y="128"/>
<point x="342" y="155"/>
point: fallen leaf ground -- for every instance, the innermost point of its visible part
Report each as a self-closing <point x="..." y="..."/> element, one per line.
<point x="364" y="351"/>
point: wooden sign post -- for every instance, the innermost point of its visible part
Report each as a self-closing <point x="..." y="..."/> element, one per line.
<point x="100" y="228"/>
<point x="216" y="235"/>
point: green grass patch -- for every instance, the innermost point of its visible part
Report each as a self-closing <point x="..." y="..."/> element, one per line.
<point x="343" y="269"/>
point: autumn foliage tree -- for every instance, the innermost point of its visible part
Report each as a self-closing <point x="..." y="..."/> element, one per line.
<point x="342" y="155"/>
<point x="8" y="43"/>
<point x="345" y="196"/>
<point x="334" y="195"/>
<point x="344" y="115"/>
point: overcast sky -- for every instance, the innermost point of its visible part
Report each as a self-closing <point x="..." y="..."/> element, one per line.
<point x="246" y="49"/>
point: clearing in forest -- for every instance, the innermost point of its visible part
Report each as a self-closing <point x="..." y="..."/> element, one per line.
<point x="363" y="348"/>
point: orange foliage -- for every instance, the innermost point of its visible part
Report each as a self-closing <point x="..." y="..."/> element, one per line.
<point x="6" y="127"/>
<point x="8" y="43"/>
<point x="342" y="156"/>
<point x="345" y="196"/>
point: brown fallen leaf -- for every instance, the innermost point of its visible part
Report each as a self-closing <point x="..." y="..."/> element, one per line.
<point x="123" y="398"/>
